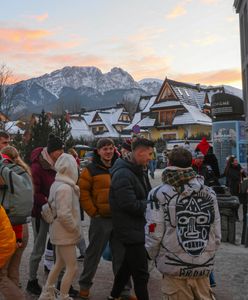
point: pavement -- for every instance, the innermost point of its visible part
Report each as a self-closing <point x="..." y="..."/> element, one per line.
<point x="231" y="269"/>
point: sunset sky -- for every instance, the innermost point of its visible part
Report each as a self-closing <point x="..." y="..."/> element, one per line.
<point x="188" y="40"/>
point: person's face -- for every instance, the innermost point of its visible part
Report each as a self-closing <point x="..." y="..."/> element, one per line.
<point x="235" y="162"/>
<point x="143" y="155"/>
<point x="124" y="151"/>
<point x="56" y="154"/>
<point x="106" y="152"/>
<point x="4" y="142"/>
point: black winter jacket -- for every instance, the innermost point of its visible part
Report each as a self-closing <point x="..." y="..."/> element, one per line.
<point x="128" y="195"/>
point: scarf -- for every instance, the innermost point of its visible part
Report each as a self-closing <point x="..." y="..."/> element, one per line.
<point x="177" y="177"/>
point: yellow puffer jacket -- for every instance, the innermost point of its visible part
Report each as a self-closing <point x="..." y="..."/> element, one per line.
<point x="7" y="238"/>
<point x="94" y="183"/>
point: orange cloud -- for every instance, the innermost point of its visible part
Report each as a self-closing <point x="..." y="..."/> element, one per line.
<point x="18" y="35"/>
<point x="147" y="66"/>
<point x="229" y="76"/>
<point x="40" y="18"/>
<point x="28" y="41"/>
<point x="146" y="34"/>
<point x="177" y="11"/>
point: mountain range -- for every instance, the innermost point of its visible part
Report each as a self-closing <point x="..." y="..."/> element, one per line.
<point x="74" y="88"/>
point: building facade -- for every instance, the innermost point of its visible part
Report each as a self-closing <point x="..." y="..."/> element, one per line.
<point x="241" y="7"/>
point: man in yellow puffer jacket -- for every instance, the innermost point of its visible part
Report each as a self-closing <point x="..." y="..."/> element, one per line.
<point x="94" y="183"/>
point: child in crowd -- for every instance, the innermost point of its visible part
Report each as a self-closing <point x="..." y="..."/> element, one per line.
<point x="65" y="229"/>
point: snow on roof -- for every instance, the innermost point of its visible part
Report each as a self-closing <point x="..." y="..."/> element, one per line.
<point x="147" y="122"/>
<point x="192" y="116"/>
<point x="149" y="104"/>
<point x="88" y="116"/>
<point x="136" y="119"/>
<point x="167" y="104"/>
<point x="79" y="128"/>
<point x="12" y="128"/>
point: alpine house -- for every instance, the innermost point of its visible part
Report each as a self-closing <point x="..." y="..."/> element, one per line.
<point x="180" y="111"/>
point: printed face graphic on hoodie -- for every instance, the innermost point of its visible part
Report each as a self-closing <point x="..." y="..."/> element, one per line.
<point x="194" y="216"/>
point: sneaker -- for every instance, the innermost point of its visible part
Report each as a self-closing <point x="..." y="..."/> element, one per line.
<point x="34" y="287"/>
<point x="80" y="258"/>
<point x="48" y="293"/>
<point x="72" y="292"/>
<point x="84" y="294"/>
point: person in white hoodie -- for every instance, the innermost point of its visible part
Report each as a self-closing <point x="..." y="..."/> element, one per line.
<point x="65" y="229"/>
<point x="183" y="230"/>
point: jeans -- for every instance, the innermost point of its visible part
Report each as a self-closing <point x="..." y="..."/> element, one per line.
<point x="40" y="229"/>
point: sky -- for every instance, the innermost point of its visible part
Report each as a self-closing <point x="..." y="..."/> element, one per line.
<point x="194" y="41"/>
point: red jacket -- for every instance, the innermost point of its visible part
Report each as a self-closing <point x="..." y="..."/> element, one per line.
<point x="43" y="176"/>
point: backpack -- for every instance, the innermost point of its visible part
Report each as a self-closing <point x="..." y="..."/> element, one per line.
<point x="16" y="195"/>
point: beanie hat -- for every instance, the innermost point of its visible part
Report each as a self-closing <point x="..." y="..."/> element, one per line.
<point x="54" y="143"/>
<point x="127" y="145"/>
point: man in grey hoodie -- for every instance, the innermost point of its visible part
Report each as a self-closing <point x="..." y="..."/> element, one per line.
<point x="183" y="230"/>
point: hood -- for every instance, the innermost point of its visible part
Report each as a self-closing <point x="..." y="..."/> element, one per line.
<point x="121" y="163"/>
<point x="203" y="146"/>
<point x="35" y="154"/>
<point x="67" y="169"/>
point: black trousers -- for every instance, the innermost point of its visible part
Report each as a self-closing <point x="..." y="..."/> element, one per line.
<point x="134" y="264"/>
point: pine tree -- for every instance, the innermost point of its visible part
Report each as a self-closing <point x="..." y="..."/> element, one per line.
<point x="39" y="134"/>
<point x="62" y="129"/>
<point x="19" y="144"/>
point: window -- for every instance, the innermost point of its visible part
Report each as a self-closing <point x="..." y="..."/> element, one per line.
<point x="166" y="117"/>
<point x="169" y="136"/>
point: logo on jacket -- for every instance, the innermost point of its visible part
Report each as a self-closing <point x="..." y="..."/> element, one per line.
<point x="194" y="215"/>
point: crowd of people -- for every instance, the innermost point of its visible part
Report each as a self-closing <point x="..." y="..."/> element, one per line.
<point x="174" y="226"/>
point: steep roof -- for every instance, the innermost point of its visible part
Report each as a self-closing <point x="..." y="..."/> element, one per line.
<point x="79" y="128"/>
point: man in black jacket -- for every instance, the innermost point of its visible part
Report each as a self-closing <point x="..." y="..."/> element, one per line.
<point x="128" y="194"/>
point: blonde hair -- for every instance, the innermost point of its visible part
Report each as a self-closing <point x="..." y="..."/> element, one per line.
<point x="73" y="152"/>
<point x="14" y="155"/>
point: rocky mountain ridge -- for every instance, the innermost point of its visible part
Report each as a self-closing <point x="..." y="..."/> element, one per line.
<point x="75" y="87"/>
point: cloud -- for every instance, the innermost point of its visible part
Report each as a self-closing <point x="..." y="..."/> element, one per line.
<point x="176" y="12"/>
<point x="146" y="34"/>
<point x="17" y="35"/>
<point x="37" y="41"/>
<point x="207" y="40"/>
<point x="40" y="18"/>
<point x="147" y="66"/>
<point x="227" y="76"/>
<point x="76" y="59"/>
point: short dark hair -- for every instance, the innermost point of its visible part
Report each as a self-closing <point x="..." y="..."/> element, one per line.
<point x="4" y="134"/>
<point x="180" y="157"/>
<point x="142" y="142"/>
<point x="104" y="142"/>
